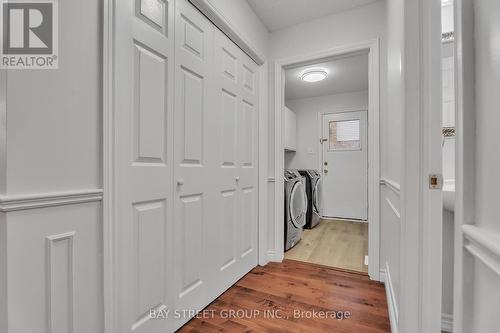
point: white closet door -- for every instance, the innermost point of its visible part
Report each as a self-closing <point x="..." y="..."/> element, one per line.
<point x="215" y="158"/>
<point x="143" y="137"/>
<point x="194" y="158"/>
<point x="236" y="185"/>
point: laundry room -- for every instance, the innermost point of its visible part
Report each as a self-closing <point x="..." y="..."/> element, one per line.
<point x="326" y="144"/>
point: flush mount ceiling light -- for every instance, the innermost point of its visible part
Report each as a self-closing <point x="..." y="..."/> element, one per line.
<point x="313" y="75"/>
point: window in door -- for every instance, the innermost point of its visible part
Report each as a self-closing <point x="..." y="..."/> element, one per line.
<point x="344" y="135"/>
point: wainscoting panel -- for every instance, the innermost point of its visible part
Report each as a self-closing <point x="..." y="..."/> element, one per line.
<point x="54" y="269"/>
<point x="390" y="216"/>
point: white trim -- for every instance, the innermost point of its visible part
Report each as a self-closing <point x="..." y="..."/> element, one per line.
<point x="373" y="143"/>
<point x="330" y="218"/>
<point x="391" y="299"/>
<point x="393" y="208"/>
<point x="484" y="246"/>
<point x="392" y="185"/>
<point x="465" y="159"/>
<point x="263" y="162"/>
<point x="221" y="22"/>
<point x="383" y="278"/>
<point x="421" y="208"/>
<point x="447" y="322"/>
<point x="9" y="203"/>
<point x="108" y="167"/>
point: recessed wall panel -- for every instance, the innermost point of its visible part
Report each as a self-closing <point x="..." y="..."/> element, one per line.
<point x="248" y="78"/>
<point x="229" y="64"/>
<point x="150" y="106"/>
<point x="150" y="222"/>
<point x="248" y="219"/>
<point x="247" y="135"/>
<point x="228" y="125"/>
<point x="60" y="261"/>
<point x="153" y="12"/>
<point x="193" y="37"/>
<point x="192" y="111"/>
<point x="227" y="231"/>
<point x="192" y="250"/>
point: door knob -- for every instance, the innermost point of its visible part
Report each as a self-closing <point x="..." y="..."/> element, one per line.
<point x="180" y="182"/>
<point x="237" y="178"/>
<point x="325" y="171"/>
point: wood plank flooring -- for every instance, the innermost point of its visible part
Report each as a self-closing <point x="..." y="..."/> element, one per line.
<point x="335" y="243"/>
<point x="285" y="289"/>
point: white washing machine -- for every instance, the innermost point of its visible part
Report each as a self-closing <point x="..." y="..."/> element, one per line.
<point x="295" y="208"/>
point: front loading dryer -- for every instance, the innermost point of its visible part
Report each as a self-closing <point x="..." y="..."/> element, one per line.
<point x="295" y="208"/>
<point x="314" y="199"/>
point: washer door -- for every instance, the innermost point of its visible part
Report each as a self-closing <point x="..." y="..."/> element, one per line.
<point x="298" y="205"/>
<point x="316" y="196"/>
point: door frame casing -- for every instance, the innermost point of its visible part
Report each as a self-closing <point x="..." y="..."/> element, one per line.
<point x="320" y="146"/>
<point x="372" y="46"/>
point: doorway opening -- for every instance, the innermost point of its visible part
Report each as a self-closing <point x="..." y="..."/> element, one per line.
<point x="328" y="114"/>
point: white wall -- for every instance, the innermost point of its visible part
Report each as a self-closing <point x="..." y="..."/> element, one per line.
<point x="486" y="283"/>
<point x="338" y="30"/>
<point x="308" y="134"/>
<point x="244" y="19"/>
<point x="52" y="143"/>
<point x="448" y="248"/>
<point x="391" y="149"/>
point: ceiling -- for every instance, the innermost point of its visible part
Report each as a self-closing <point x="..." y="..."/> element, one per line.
<point x="279" y="14"/>
<point x="346" y="74"/>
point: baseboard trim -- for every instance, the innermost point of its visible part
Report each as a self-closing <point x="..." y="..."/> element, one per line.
<point x="382" y="276"/>
<point x="11" y="203"/>
<point x="273" y="257"/>
<point x="447" y="322"/>
<point x="391" y="298"/>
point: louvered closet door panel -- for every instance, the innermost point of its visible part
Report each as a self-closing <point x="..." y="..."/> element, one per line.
<point x="195" y="149"/>
<point x="144" y="161"/>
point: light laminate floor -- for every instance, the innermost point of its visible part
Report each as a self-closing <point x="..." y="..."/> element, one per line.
<point x="335" y="243"/>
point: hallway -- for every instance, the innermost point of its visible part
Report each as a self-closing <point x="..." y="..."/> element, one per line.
<point x="292" y="291"/>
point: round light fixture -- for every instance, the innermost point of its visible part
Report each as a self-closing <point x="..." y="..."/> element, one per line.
<point x="314" y="75"/>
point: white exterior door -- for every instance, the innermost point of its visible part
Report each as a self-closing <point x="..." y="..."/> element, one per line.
<point x="144" y="147"/>
<point x="345" y="165"/>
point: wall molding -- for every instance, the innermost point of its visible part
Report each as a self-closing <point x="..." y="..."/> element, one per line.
<point x="393" y="208"/>
<point x="9" y="203"/>
<point x="391" y="298"/>
<point x="395" y="187"/>
<point x="483" y="245"/>
<point x="221" y="22"/>
<point x="447" y="322"/>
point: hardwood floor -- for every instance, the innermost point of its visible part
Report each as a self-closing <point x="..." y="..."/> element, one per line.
<point x="335" y="243"/>
<point x="288" y="288"/>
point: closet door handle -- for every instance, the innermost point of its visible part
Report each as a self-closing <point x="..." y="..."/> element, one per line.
<point x="180" y="182"/>
<point x="237" y="178"/>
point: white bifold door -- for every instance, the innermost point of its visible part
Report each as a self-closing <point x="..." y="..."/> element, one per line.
<point x="186" y="163"/>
